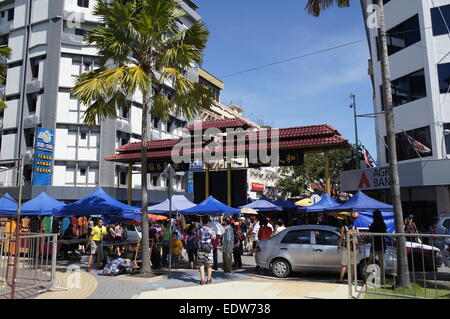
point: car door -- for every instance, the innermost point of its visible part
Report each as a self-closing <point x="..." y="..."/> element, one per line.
<point x="327" y="258"/>
<point x="297" y="244"/>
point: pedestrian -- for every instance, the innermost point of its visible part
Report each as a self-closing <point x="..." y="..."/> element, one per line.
<point x="165" y="243"/>
<point x="265" y="232"/>
<point x="346" y="252"/>
<point x="205" y="255"/>
<point x="411" y="228"/>
<point x="280" y="227"/>
<point x="216" y="244"/>
<point x="95" y="242"/>
<point x="227" y="248"/>
<point x="238" y="248"/>
<point x="255" y="230"/>
<point x="176" y="248"/>
<point x="191" y="245"/>
<point x="378" y="246"/>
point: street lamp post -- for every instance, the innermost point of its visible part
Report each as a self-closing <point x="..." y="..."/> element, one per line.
<point x="353" y="106"/>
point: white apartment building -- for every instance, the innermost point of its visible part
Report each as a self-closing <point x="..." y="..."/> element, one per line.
<point x="419" y="55"/>
<point x="48" y="53"/>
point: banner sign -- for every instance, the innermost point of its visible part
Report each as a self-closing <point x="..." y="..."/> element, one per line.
<point x="43" y="157"/>
<point x="286" y="158"/>
<point x="258" y="187"/>
<point x="159" y="167"/>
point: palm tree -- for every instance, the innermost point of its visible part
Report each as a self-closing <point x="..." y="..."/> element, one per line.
<point x="5" y="53"/>
<point x="142" y="47"/>
<point x="315" y="7"/>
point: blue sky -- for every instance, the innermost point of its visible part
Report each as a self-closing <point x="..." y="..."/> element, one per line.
<point x="313" y="90"/>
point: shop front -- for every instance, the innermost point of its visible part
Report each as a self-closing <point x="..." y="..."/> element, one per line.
<point x="424" y="187"/>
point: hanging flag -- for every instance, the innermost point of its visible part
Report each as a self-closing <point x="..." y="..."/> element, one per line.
<point x="418" y="147"/>
<point x="367" y="158"/>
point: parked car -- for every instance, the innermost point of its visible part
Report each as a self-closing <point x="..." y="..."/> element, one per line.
<point x="313" y="248"/>
<point x="308" y="249"/>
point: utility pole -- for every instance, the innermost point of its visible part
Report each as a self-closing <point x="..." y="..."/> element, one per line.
<point x="402" y="261"/>
<point x="353" y="106"/>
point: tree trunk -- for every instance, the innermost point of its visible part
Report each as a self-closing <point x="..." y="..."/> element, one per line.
<point x="402" y="261"/>
<point x="145" y="268"/>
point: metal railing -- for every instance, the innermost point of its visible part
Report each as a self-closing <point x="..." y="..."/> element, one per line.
<point x="28" y="269"/>
<point x="372" y="265"/>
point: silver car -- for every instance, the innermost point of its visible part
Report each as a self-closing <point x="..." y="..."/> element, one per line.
<point x="311" y="248"/>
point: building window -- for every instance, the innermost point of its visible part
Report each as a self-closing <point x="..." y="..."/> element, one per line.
<point x="29" y="137"/>
<point x="404" y="149"/>
<point x="447" y="137"/>
<point x="444" y="77"/>
<point x="32" y="102"/>
<point x="155" y="122"/>
<point x="402" y="36"/>
<point x="408" y="88"/>
<point x="440" y="22"/>
<point x="11" y="14"/>
<point x="80" y="32"/>
<point x="155" y="181"/>
<point x="83" y="3"/>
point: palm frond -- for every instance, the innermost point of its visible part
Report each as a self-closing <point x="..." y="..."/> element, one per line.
<point x="315" y="7"/>
<point x="3" y="105"/>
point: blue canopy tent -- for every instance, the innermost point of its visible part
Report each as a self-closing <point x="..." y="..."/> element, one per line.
<point x="41" y="205"/>
<point x="360" y="202"/>
<point x="179" y="203"/>
<point x="325" y="203"/>
<point x="211" y="206"/>
<point x="366" y="218"/>
<point x="285" y="204"/>
<point x="8" y="205"/>
<point x="264" y="197"/>
<point x="249" y="200"/>
<point x="98" y="203"/>
<point x="365" y="206"/>
<point x="262" y="205"/>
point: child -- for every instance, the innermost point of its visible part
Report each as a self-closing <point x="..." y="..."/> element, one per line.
<point x="176" y="248"/>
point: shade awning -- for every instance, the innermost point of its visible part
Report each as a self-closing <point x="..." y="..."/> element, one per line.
<point x="262" y="205"/>
<point x="325" y="203"/>
<point x="362" y="203"/>
<point x="211" y="206"/>
<point x="98" y="203"/>
<point x="41" y="205"/>
<point x="179" y="203"/>
<point x="8" y="206"/>
<point x="304" y="202"/>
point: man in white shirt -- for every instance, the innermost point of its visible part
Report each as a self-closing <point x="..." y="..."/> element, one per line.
<point x="280" y="227"/>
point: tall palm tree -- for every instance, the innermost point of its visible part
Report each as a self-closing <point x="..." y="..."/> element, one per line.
<point x="143" y="47"/>
<point x="315" y="7"/>
<point x="5" y="53"/>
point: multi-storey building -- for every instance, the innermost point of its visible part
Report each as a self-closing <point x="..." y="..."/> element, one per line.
<point x="48" y="53"/>
<point x="419" y="56"/>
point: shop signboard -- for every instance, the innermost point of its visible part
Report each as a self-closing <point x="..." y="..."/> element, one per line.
<point x="43" y="157"/>
<point x="258" y="187"/>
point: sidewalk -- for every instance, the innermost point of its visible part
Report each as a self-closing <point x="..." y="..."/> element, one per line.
<point x="252" y="288"/>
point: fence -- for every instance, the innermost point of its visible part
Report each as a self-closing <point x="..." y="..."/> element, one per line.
<point x="31" y="270"/>
<point x="372" y="265"/>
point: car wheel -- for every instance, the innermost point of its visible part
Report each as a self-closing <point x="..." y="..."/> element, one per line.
<point x="281" y="268"/>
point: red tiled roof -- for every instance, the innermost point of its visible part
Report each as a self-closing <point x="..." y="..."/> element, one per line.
<point x="222" y="124"/>
<point x="306" y="138"/>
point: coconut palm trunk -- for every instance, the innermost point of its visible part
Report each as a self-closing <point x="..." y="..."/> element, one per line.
<point x="315" y="7"/>
<point x="402" y="261"/>
<point x="146" y="267"/>
<point x="142" y="47"/>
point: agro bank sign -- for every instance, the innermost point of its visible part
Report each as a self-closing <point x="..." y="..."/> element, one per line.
<point x="43" y="157"/>
<point x="372" y="178"/>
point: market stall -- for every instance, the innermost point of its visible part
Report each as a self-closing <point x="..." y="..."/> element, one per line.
<point x="365" y="206"/>
<point x="211" y="206"/>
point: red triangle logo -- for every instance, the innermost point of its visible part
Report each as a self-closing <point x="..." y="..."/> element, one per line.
<point x="364" y="182"/>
